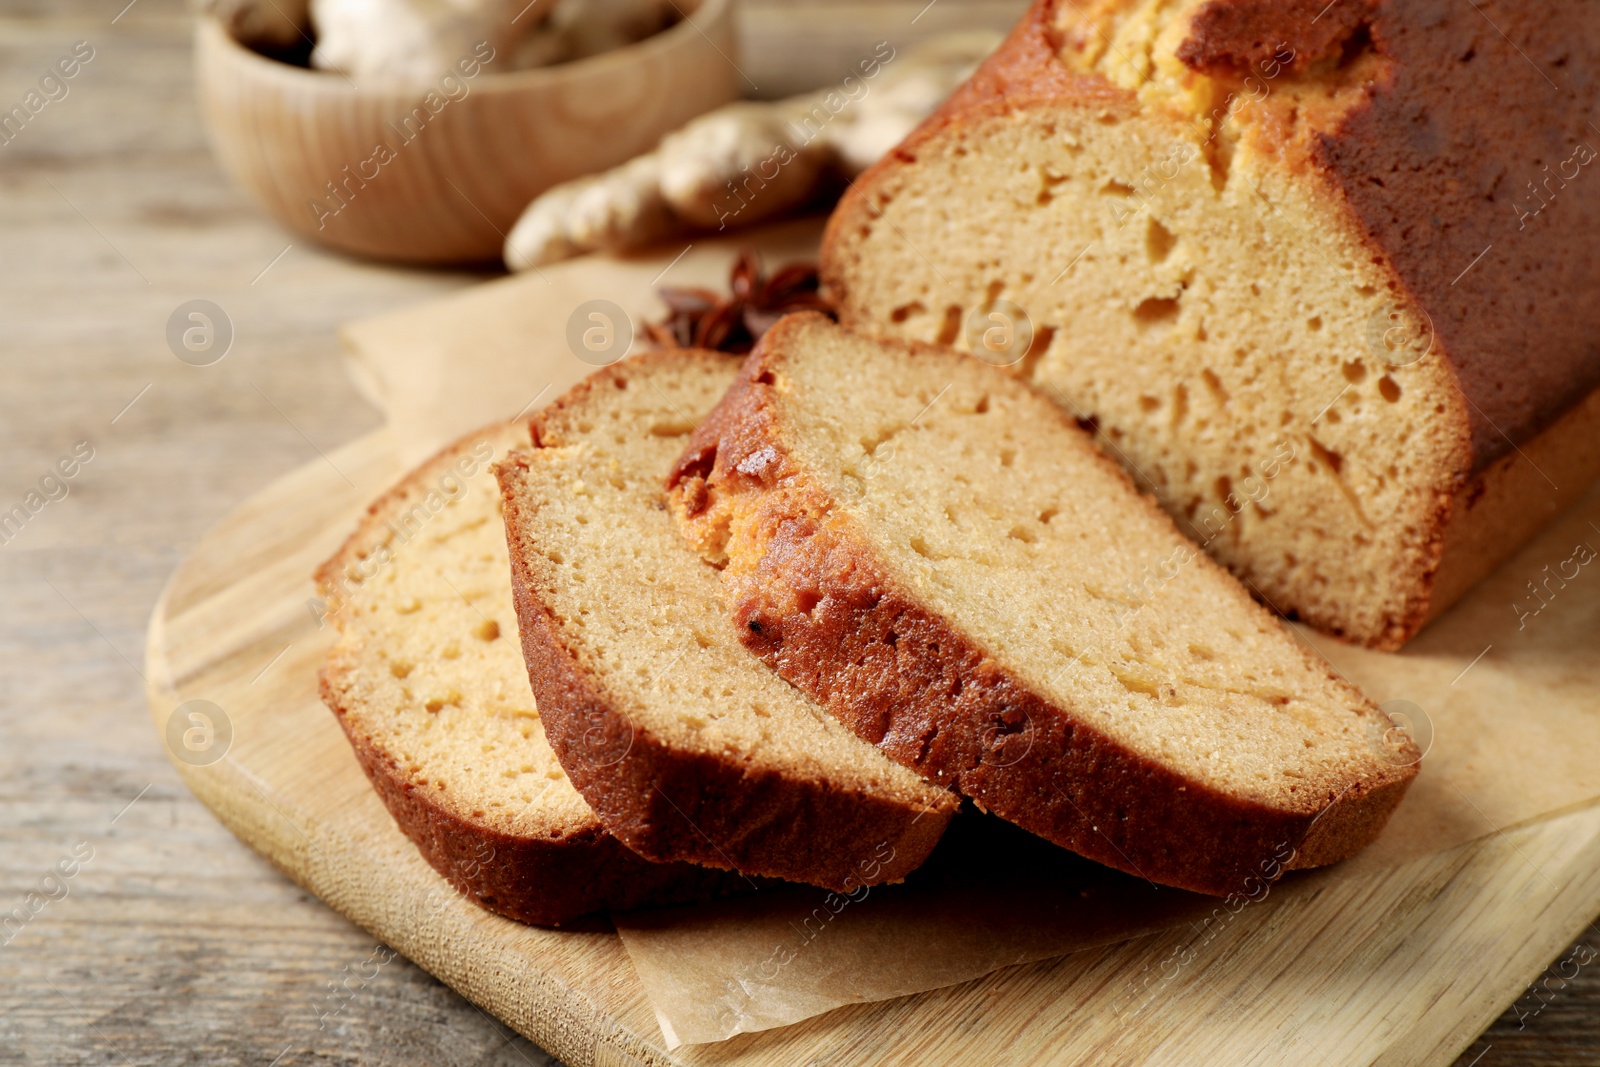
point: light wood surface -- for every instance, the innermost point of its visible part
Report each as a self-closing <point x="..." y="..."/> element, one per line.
<point x="439" y="175"/>
<point x="177" y="944"/>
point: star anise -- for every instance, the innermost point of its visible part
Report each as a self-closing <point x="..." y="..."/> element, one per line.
<point x="701" y="318"/>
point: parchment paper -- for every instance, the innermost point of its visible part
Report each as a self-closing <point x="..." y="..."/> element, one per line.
<point x="989" y="897"/>
<point x="1513" y="734"/>
<point x="1507" y="702"/>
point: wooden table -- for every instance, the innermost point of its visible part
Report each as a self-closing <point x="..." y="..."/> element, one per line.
<point x="173" y="943"/>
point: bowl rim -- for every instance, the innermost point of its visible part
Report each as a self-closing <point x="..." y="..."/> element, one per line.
<point x="711" y="12"/>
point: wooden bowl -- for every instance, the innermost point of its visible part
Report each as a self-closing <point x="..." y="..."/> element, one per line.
<point x="399" y="175"/>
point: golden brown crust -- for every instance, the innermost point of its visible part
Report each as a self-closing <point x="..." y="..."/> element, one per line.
<point x="668" y="803"/>
<point x="542" y="880"/>
<point x="1465" y="130"/>
<point x="821" y="608"/>
<point x="546" y="880"/>
<point x="1229" y="36"/>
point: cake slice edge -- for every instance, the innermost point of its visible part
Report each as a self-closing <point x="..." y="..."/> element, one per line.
<point x="750" y="508"/>
<point x="672" y="803"/>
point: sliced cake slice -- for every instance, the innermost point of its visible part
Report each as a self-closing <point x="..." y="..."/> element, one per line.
<point x="942" y="557"/>
<point x="428" y="683"/>
<point x="683" y="743"/>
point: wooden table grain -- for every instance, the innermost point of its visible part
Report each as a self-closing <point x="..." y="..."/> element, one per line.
<point x="152" y="936"/>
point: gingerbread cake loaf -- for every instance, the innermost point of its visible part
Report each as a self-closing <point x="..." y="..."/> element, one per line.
<point x="1317" y="274"/>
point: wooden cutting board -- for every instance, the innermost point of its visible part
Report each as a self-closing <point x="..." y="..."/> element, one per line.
<point x="1403" y="966"/>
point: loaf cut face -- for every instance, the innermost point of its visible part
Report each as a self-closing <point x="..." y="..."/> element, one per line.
<point x="937" y="553"/>
<point x="684" y="744"/>
<point x="428" y="683"/>
<point x="1307" y="269"/>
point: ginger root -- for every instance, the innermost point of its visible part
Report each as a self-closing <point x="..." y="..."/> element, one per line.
<point x="414" y="41"/>
<point x="747" y="161"/>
